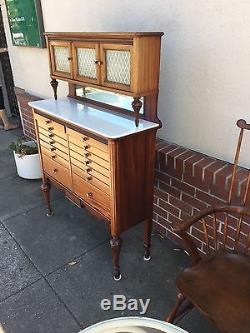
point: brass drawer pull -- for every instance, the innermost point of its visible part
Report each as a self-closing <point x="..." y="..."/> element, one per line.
<point x="88" y="178"/>
<point x="52" y="149"/>
<point x="50" y="128"/>
<point x="48" y="121"/>
<point x="86" y="147"/>
<point x="53" y="156"/>
<point x="55" y="170"/>
<point x="51" y="135"/>
<point x="87" y="154"/>
<point x="85" y="138"/>
<point x="88" y="170"/>
<point x="87" y="162"/>
<point x="52" y="142"/>
<point x="89" y="194"/>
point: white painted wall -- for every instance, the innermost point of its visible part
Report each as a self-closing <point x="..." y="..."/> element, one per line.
<point x="205" y="63"/>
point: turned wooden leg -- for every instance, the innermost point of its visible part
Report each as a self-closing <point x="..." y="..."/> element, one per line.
<point x="147" y="239"/>
<point x="173" y="314"/>
<point x="116" y="243"/>
<point x="136" y="105"/>
<point x="45" y="188"/>
<point x="54" y="85"/>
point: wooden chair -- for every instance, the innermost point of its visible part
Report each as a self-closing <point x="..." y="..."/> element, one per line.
<point x="218" y="281"/>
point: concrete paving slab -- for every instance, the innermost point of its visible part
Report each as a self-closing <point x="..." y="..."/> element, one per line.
<point x="51" y="242"/>
<point x="36" y="310"/>
<point x="83" y="286"/>
<point x="6" y="137"/>
<point x="18" y="195"/>
<point x="16" y="270"/>
<point x="7" y="164"/>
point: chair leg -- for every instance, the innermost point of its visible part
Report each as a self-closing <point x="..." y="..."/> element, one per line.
<point x="171" y="317"/>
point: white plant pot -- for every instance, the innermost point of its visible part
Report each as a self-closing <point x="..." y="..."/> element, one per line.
<point x="28" y="166"/>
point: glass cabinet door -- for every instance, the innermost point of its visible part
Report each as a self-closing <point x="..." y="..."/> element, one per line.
<point x="61" y="60"/>
<point x="86" y="64"/>
<point x="116" y="66"/>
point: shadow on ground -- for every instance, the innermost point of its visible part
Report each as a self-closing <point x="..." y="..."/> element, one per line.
<point x="54" y="272"/>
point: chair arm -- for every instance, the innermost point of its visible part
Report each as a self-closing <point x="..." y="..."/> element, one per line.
<point x="188" y="242"/>
<point x="239" y="210"/>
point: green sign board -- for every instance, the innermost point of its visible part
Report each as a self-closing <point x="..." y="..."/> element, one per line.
<point x="26" y="24"/>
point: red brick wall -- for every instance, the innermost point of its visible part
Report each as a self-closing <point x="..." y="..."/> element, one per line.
<point x="185" y="181"/>
<point x="26" y="112"/>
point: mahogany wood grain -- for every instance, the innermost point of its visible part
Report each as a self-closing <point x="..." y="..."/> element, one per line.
<point x="80" y="139"/>
<point x="92" y="195"/>
<point x="57" y="171"/>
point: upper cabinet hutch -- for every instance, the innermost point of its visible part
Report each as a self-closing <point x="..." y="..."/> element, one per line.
<point x="102" y="156"/>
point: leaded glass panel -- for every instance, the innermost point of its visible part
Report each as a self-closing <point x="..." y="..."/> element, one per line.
<point x="62" y="62"/>
<point x="86" y="62"/>
<point x="118" y="66"/>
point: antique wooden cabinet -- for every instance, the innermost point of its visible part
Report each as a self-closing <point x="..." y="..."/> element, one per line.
<point x="101" y="156"/>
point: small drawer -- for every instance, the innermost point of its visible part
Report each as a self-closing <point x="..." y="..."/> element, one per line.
<point x="86" y="164"/>
<point x="87" y="156"/>
<point x="80" y="139"/>
<point x="87" y="147"/>
<point x="91" y="195"/>
<point x="48" y="136"/>
<point x="57" y="171"/>
<point x="50" y="125"/>
<point x="55" y="148"/>
<point x="54" y="157"/>
<point x="89" y="176"/>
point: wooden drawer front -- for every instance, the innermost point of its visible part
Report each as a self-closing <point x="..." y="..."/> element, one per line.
<point x="50" y="125"/>
<point x="54" y="157"/>
<point x="90" y="176"/>
<point x="57" y="171"/>
<point x="91" y="195"/>
<point x="86" y="148"/>
<point x="85" y="164"/>
<point x="55" y="148"/>
<point x="87" y="156"/>
<point x="48" y="136"/>
<point x="82" y="140"/>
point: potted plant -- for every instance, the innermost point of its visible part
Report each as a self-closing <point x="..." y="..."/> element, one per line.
<point x="26" y="158"/>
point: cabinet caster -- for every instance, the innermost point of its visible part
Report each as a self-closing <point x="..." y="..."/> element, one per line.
<point x="147" y="258"/>
<point x="117" y="277"/>
<point x="49" y="214"/>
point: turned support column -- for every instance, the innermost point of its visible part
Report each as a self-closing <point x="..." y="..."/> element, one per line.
<point x="136" y="105"/>
<point x="115" y="244"/>
<point x="45" y="188"/>
<point x="147" y="239"/>
<point x="54" y="85"/>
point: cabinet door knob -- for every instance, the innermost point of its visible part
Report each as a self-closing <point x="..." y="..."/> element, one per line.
<point x="85" y="138"/>
<point x="52" y="142"/>
<point x="55" y="170"/>
<point x="48" y="121"/>
<point x="86" y="147"/>
<point x="88" y="178"/>
<point x="69" y="58"/>
<point x="87" y="154"/>
<point x="53" y="156"/>
<point x="87" y="162"/>
<point x="98" y="62"/>
<point x="51" y="135"/>
<point x="50" y="128"/>
<point x="52" y="149"/>
<point x="89" y="194"/>
<point x="88" y="170"/>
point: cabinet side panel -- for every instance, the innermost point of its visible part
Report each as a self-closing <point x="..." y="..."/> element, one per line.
<point x="146" y="65"/>
<point x="132" y="180"/>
